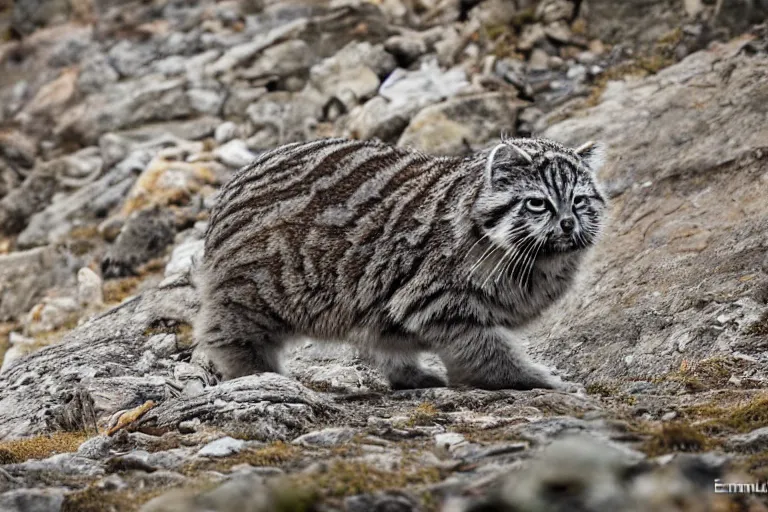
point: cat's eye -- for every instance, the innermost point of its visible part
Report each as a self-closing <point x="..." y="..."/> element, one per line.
<point x="579" y="201"/>
<point x="536" y="205"/>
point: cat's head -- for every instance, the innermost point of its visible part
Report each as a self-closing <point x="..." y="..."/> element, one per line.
<point x="541" y="197"/>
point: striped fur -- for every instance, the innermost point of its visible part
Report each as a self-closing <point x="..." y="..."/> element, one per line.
<point x="398" y="253"/>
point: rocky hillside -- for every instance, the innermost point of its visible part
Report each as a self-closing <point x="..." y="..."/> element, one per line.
<point x="119" y="121"/>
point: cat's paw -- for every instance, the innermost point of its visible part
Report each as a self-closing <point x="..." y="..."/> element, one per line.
<point x="417" y="380"/>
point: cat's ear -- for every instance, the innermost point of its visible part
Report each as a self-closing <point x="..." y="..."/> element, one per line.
<point x="593" y="154"/>
<point x="502" y="160"/>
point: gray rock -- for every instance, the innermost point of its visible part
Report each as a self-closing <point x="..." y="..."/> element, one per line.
<point x="352" y="73"/>
<point x="531" y="36"/>
<point x="28" y="16"/>
<point x="455" y="126"/>
<point x="183" y="257"/>
<point x="245" y="52"/>
<point x="412" y="90"/>
<point x="222" y="447"/>
<point x="449" y="443"/>
<point x="170" y="459"/>
<point x="162" y="345"/>
<point x="53" y="223"/>
<point x="171" y="66"/>
<point x="234" y="153"/>
<point x="240" y="494"/>
<point x="406" y="49"/>
<point x="592" y="471"/>
<point x="145" y="235"/>
<point x="274" y="405"/>
<point x="722" y="149"/>
<point x="65" y="464"/>
<point x="637" y="21"/>
<point x="752" y="442"/>
<point x="96" y="447"/>
<point x="382" y="502"/>
<point x="375" y="119"/>
<point x="52" y="313"/>
<point x="285" y="115"/>
<point x="32" y="196"/>
<point x="33" y="500"/>
<point x="26" y="275"/>
<point x="240" y="99"/>
<point x="327" y="437"/>
<point x="550" y="11"/>
<point x="189" y="426"/>
<point x="124" y="105"/>
<point x="206" y="101"/>
<point x="96" y="74"/>
<point x="559" y="32"/>
<point x="129" y="57"/>
<point x="226" y="132"/>
<point x="539" y="60"/>
<point x="37" y="398"/>
<point x="89" y="288"/>
<point x="280" y="61"/>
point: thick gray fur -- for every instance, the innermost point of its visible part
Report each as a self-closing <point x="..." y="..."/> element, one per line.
<point x="398" y="253"/>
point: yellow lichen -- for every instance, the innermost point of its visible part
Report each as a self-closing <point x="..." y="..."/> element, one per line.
<point x="423" y="415"/>
<point x="153" y="187"/>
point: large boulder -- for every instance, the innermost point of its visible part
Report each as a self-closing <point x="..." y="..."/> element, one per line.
<point x="681" y="273"/>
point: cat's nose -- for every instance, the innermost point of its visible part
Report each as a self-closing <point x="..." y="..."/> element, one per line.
<point x="567" y="225"/>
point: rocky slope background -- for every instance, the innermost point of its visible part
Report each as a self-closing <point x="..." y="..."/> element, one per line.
<point x="120" y="119"/>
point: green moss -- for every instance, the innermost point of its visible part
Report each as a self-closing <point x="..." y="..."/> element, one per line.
<point x="602" y="389"/>
<point x="524" y="17"/>
<point x="40" y="447"/>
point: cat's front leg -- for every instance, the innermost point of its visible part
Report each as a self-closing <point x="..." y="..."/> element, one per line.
<point x="488" y="358"/>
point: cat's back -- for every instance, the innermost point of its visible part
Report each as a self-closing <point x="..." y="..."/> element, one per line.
<point x="327" y="183"/>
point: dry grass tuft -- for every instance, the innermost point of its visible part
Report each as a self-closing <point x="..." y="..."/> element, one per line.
<point x="346" y="478"/>
<point x="742" y="417"/>
<point x="40" y="447"/>
<point x="677" y="437"/>
<point x="276" y="454"/>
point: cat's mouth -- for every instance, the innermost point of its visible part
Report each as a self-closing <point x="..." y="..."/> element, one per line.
<point x="564" y="246"/>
